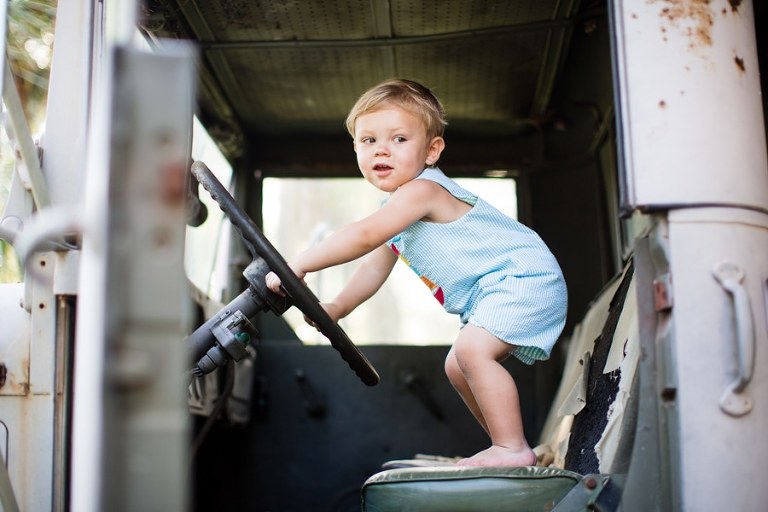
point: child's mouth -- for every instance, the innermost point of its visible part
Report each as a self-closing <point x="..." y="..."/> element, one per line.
<point x="382" y="169"/>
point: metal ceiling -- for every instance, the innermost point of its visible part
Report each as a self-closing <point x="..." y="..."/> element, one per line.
<point x="274" y="72"/>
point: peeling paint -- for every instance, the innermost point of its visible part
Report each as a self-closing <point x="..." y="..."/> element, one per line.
<point x="740" y="64"/>
<point x="692" y="17"/>
<point x="16" y="385"/>
<point x="735" y="4"/>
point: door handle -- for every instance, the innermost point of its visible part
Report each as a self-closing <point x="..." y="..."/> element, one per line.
<point x="735" y="401"/>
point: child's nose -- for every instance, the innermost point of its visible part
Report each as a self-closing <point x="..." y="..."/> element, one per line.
<point x="381" y="149"/>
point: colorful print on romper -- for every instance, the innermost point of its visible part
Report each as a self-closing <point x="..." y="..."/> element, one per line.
<point x="437" y="292"/>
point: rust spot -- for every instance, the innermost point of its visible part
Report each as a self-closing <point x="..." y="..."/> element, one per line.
<point x="173" y="186"/>
<point x="693" y="16"/>
<point x="735" y="4"/>
<point x="740" y="64"/>
<point x="15" y="383"/>
<point x="162" y="238"/>
<point x="662" y="104"/>
<point x="662" y="300"/>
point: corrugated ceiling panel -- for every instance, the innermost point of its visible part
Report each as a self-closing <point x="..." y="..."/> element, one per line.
<point x="327" y="81"/>
<point x="480" y="77"/>
<point x="500" y="74"/>
<point x="254" y="20"/>
<point x="414" y="17"/>
<point x="323" y="80"/>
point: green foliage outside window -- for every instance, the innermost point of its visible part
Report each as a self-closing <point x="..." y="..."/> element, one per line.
<point x="29" y="48"/>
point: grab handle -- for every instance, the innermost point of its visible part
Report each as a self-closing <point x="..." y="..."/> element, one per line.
<point x="734" y="400"/>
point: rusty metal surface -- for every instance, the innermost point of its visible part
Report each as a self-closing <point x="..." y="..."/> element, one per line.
<point x="14" y="342"/>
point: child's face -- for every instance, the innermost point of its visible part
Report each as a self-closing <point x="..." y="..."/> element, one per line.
<point x="392" y="147"/>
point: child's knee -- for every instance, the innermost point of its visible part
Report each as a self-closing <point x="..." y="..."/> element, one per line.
<point x="452" y="370"/>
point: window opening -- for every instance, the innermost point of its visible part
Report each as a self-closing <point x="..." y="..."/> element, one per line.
<point x="298" y="212"/>
<point x="207" y="245"/>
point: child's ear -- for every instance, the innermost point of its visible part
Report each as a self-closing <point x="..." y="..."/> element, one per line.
<point x="436" y="147"/>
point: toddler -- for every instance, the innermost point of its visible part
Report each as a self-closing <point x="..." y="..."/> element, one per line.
<point x="493" y="271"/>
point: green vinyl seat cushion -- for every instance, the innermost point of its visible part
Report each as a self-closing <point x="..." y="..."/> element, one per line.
<point x="466" y="489"/>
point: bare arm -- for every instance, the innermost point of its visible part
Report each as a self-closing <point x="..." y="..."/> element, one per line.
<point x="365" y="282"/>
<point x="411" y="202"/>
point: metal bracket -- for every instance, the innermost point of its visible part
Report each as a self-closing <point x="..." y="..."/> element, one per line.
<point x="233" y="332"/>
<point x="593" y="492"/>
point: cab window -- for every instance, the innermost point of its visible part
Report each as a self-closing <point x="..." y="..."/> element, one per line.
<point x="299" y="212"/>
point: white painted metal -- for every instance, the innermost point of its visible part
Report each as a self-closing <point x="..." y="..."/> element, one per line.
<point x="87" y="408"/>
<point x="694" y="151"/>
<point x="718" y="451"/>
<point x="28" y="338"/>
<point x="69" y="98"/>
<point x="26" y="347"/>
<point x="690" y="103"/>
<point x="7" y="497"/>
<point x="130" y="425"/>
<point x="14" y="342"/>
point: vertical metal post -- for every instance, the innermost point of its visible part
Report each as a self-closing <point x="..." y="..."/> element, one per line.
<point x="690" y="110"/>
<point x="130" y="398"/>
<point x="693" y="150"/>
<point x="69" y="97"/>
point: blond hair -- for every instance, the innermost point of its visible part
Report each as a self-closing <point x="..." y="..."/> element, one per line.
<point x="405" y="94"/>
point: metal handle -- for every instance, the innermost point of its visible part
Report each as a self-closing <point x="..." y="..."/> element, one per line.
<point x="735" y="401"/>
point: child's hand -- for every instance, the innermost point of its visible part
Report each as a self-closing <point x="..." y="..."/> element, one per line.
<point x="333" y="311"/>
<point x="275" y="284"/>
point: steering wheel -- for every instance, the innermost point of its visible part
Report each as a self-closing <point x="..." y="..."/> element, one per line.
<point x="302" y="296"/>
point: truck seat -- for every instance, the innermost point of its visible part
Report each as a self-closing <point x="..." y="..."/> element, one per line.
<point x="609" y="329"/>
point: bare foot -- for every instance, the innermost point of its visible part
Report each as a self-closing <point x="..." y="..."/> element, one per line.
<point x="500" y="456"/>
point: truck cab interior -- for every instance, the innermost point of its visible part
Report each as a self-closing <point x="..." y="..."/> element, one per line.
<point x="301" y="423"/>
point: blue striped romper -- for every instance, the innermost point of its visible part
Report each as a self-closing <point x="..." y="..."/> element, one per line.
<point x="493" y="271"/>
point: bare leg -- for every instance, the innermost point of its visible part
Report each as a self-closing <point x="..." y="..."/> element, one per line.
<point x="456" y="377"/>
<point x="492" y="391"/>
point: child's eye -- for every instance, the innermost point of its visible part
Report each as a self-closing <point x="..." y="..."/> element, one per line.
<point x="367" y="140"/>
<point x="399" y="138"/>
